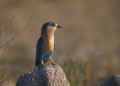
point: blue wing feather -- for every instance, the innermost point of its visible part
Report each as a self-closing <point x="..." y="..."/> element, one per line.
<point x="54" y="44"/>
<point x="39" y="49"/>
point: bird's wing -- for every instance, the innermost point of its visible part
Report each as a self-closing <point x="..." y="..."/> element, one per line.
<point x="54" y="44"/>
<point x="39" y="49"/>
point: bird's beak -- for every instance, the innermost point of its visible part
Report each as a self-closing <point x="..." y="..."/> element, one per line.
<point x="58" y="26"/>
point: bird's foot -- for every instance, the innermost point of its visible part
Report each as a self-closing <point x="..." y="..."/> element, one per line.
<point x="53" y="63"/>
<point x="42" y="62"/>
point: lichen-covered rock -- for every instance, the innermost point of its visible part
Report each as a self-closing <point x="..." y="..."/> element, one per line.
<point x="113" y="81"/>
<point x="46" y="75"/>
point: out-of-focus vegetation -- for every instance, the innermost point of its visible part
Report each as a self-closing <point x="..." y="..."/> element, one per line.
<point x="88" y="46"/>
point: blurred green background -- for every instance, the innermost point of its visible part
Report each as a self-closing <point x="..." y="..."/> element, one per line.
<point x="88" y="45"/>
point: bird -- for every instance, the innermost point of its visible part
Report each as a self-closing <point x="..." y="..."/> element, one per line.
<point x="46" y="43"/>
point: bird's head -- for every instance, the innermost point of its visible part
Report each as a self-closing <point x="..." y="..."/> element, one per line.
<point x="49" y="28"/>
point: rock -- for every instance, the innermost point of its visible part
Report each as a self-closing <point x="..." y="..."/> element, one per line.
<point x="45" y="75"/>
<point x="113" y="81"/>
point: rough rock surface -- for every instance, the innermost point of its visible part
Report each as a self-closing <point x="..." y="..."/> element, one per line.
<point x="46" y="75"/>
<point x="113" y="81"/>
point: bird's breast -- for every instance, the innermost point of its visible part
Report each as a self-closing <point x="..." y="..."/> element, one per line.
<point x="49" y="44"/>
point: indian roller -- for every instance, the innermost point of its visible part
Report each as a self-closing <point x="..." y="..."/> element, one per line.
<point x="46" y="43"/>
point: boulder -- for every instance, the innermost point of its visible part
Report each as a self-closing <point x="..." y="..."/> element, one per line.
<point x="112" y="81"/>
<point x="44" y="75"/>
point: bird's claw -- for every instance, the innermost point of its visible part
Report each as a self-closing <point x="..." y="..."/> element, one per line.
<point x="53" y="63"/>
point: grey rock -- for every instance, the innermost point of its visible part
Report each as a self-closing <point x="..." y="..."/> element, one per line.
<point x="113" y="81"/>
<point x="45" y="75"/>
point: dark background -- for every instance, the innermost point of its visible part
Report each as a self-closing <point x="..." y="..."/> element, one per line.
<point x="88" y="45"/>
